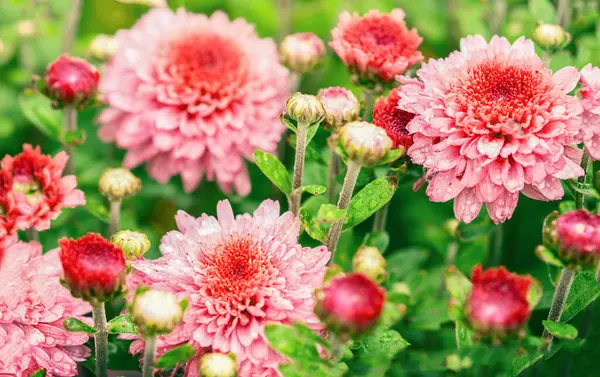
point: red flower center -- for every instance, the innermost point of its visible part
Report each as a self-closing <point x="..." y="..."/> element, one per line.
<point x="382" y="37"/>
<point x="388" y="116"/>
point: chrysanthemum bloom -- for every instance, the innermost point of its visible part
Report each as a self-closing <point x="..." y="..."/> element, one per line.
<point x="577" y="234"/>
<point x="350" y="304"/>
<point x="193" y="95"/>
<point x="387" y="115"/>
<point x="301" y="52"/>
<point x="491" y="122"/>
<point x="239" y="273"/>
<point x="9" y="216"/>
<point x="40" y="190"/>
<point x="94" y="268"/>
<point x="33" y="306"/>
<point x="590" y="99"/>
<point x="341" y="106"/>
<point x="377" y="46"/>
<point x="71" y="81"/>
<point x="498" y="300"/>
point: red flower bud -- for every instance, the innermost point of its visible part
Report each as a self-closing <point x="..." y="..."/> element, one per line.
<point x="578" y="235"/>
<point x="71" y="81"/>
<point x="94" y="268"/>
<point x="498" y="300"/>
<point x="350" y="304"/>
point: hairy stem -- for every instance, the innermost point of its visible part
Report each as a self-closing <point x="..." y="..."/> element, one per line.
<point x="70" y="126"/>
<point x="72" y="22"/>
<point x="579" y="197"/>
<point x="115" y="216"/>
<point x="149" y="354"/>
<point x="298" y="168"/>
<point x="347" y="189"/>
<point x="32" y="234"/>
<point x="369" y="100"/>
<point x="561" y="294"/>
<point x="332" y="171"/>
<point x="100" y="340"/>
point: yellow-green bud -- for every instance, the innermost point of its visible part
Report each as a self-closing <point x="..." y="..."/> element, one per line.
<point x="451" y="227"/>
<point x="217" y="365"/>
<point x="550" y="36"/>
<point x="133" y="244"/>
<point x="305" y="109"/>
<point x="26" y="28"/>
<point x="103" y="47"/>
<point x="156" y="312"/>
<point x="118" y="184"/>
<point x="301" y="52"/>
<point x="365" y="143"/>
<point x="369" y="261"/>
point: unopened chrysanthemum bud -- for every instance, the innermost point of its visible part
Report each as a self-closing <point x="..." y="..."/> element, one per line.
<point x="118" y="184"/>
<point x="217" y="365"/>
<point x="26" y="28"/>
<point x="451" y="227"/>
<point x="156" y="312"/>
<point x="103" y="47"/>
<point x="301" y="52"/>
<point x="350" y="304"/>
<point x="133" y="244"/>
<point x="71" y="81"/>
<point x="577" y="235"/>
<point x="341" y="106"/>
<point x="550" y="36"/>
<point x="364" y="143"/>
<point x="94" y="268"/>
<point x="498" y="302"/>
<point x="333" y="271"/>
<point x="369" y="261"/>
<point x="305" y="109"/>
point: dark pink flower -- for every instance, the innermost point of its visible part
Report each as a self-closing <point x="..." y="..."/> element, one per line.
<point x="387" y="115"/>
<point x="71" y="81"/>
<point x="578" y="234"/>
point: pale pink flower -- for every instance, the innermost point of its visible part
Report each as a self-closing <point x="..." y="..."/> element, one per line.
<point x="590" y="99"/>
<point x="193" y="95"/>
<point x="239" y="273"/>
<point x="491" y="122"/>
<point x="33" y="305"/>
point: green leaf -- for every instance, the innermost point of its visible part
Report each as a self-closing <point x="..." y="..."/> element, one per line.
<point x="392" y="156"/>
<point x="175" y="356"/>
<point x="288" y="341"/>
<point x="534" y="294"/>
<point x="405" y="262"/>
<point x="95" y="206"/>
<point x="566" y="206"/>
<point x="176" y="4"/>
<point x="122" y="324"/>
<point x="39" y="373"/>
<point x="464" y="336"/>
<point x="473" y="231"/>
<point x="75" y="325"/>
<point x="285" y="119"/>
<point x="329" y="213"/>
<point x="373" y="354"/>
<point x="312" y="225"/>
<point x="560" y="330"/>
<point x="38" y="110"/>
<point x="274" y="170"/>
<point x="548" y="256"/>
<point x="586" y="189"/>
<point x="520" y="363"/>
<point x="457" y="284"/>
<point x="542" y="10"/>
<point x="584" y="291"/>
<point x="312" y="189"/>
<point x="380" y="240"/>
<point x="312" y="131"/>
<point x="369" y="200"/>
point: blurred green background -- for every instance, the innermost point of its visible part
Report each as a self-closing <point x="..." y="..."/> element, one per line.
<point x="414" y="222"/>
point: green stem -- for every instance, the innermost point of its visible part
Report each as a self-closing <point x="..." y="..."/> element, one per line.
<point x="332" y="171"/>
<point x="561" y="294"/>
<point x="72" y="22"/>
<point x="579" y="197"/>
<point x="32" y="234"/>
<point x="451" y="253"/>
<point x="298" y="168"/>
<point x="345" y="196"/>
<point x="598" y="274"/>
<point x="149" y="355"/>
<point x="100" y="340"/>
<point x="563" y="13"/>
<point x="369" y="100"/>
<point x="496" y="245"/>
<point x="70" y="126"/>
<point x="497" y="16"/>
<point x="115" y="216"/>
<point x="381" y="218"/>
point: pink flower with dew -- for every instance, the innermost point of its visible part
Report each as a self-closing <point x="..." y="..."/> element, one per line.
<point x="377" y="46"/>
<point x="590" y="99"/>
<point x="33" y="306"/>
<point x="491" y="122"/>
<point x="194" y="96"/>
<point x="239" y="273"/>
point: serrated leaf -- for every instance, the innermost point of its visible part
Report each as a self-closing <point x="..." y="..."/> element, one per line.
<point x="560" y="330"/>
<point x="369" y="200"/>
<point x="38" y="110"/>
<point x="380" y="240"/>
<point x="312" y="189"/>
<point x="463" y="335"/>
<point x="457" y="284"/>
<point x="329" y="213"/>
<point x="312" y="225"/>
<point x="39" y="373"/>
<point x="274" y="170"/>
<point x="175" y="356"/>
<point x="373" y="354"/>
<point x="76" y="325"/>
<point x="95" y="206"/>
<point x="122" y="324"/>
<point x="584" y="291"/>
<point x="547" y="256"/>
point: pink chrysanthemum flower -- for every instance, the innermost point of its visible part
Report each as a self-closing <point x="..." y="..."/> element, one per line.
<point x="590" y="99"/>
<point x="39" y="189"/>
<point x="239" y="273"/>
<point x="491" y="122"/>
<point x="33" y="305"/>
<point x="193" y="95"/>
<point x="377" y="46"/>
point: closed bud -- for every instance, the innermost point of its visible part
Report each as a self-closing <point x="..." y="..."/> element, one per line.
<point x="451" y="227"/>
<point x="305" y="109"/>
<point x="133" y="244"/>
<point x="364" y="143"/>
<point x="26" y="28"/>
<point x="550" y="36"/>
<point x="103" y="47"/>
<point x="217" y="365"/>
<point x="118" y="183"/>
<point x="577" y="235"/>
<point x="341" y="106"/>
<point x="369" y="261"/>
<point x="333" y="271"/>
<point x="301" y="52"/>
<point x="156" y="312"/>
<point x="71" y="81"/>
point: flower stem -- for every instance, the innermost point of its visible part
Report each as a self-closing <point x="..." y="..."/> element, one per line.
<point x="32" y="234"/>
<point x="563" y="14"/>
<point x="70" y="126"/>
<point x="100" y="340"/>
<point x="497" y="16"/>
<point x="369" y="100"/>
<point x="496" y="245"/>
<point x="115" y="216"/>
<point x="71" y="25"/>
<point x="558" y="301"/>
<point x="381" y="218"/>
<point x="579" y="197"/>
<point x="333" y="167"/>
<point x="298" y="168"/>
<point x="451" y="253"/>
<point x="347" y="189"/>
<point x="149" y="354"/>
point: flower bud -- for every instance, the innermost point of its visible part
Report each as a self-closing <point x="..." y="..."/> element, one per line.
<point x="369" y="261"/>
<point x="118" y="184"/>
<point x="341" y="106"/>
<point x="156" y="312"/>
<point x="350" y="304"/>
<point x="305" y="109"/>
<point x="550" y="36"/>
<point x="577" y="235"/>
<point x="71" y="81"/>
<point x="364" y="143"/>
<point x="103" y="47"/>
<point x="217" y="365"/>
<point x="301" y="52"/>
<point x="94" y="269"/>
<point x="133" y="244"/>
<point x="26" y="28"/>
<point x="333" y="271"/>
<point x="498" y="302"/>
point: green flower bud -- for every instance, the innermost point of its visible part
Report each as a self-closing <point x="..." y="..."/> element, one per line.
<point x="156" y="312"/>
<point x="550" y="36"/>
<point x="118" y="184"/>
<point x="133" y="244"/>
<point x="305" y="109"/>
<point x="369" y="261"/>
<point x="217" y="365"/>
<point x="364" y="143"/>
